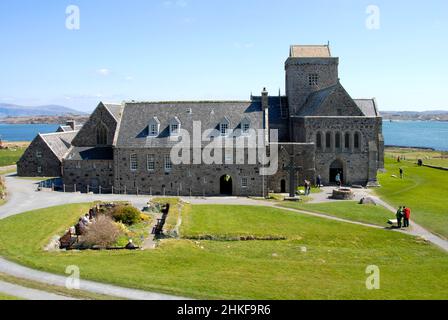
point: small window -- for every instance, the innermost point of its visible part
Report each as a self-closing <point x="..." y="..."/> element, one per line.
<point x="244" y="182"/>
<point x="168" y="164"/>
<point x="133" y="162"/>
<point x="174" y="129"/>
<point x="39" y="169"/>
<point x="246" y="128"/>
<point x="319" y="140"/>
<point x="347" y="141"/>
<point x="38" y="154"/>
<point x="153" y="130"/>
<point x="357" y="142"/>
<point x="338" y="140"/>
<point x="328" y="140"/>
<point x="224" y="129"/>
<point x="78" y="165"/>
<point x="339" y="112"/>
<point x="151" y="164"/>
<point x="101" y="135"/>
<point x="313" y="79"/>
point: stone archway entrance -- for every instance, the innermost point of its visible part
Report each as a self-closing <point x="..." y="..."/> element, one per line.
<point x="226" y="185"/>
<point x="336" y="167"/>
<point x="283" y="186"/>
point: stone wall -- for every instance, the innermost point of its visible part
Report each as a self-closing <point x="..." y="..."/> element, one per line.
<point x="197" y="180"/>
<point x="297" y="82"/>
<point x="88" y="175"/>
<point x="39" y="161"/>
<point x="304" y="157"/>
<point x="87" y="136"/>
<point x="360" y="165"/>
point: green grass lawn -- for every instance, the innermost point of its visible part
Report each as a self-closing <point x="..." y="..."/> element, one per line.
<point x="435" y="158"/>
<point x="5" y="297"/>
<point x="424" y="190"/>
<point x="349" y="210"/>
<point x="332" y="266"/>
<point x="10" y="156"/>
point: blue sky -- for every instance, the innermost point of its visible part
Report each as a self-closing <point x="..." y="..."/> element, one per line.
<point x="217" y="49"/>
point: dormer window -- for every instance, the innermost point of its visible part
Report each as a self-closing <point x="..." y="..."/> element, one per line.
<point x="154" y="127"/>
<point x="245" y="126"/>
<point x="175" y="126"/>
<point x="224" y="127"/>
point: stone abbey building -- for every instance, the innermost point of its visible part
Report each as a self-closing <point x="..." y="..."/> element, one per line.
<point x="322" y="131"/>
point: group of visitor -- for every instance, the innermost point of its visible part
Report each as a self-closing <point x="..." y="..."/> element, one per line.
<point x="403" y="217"/>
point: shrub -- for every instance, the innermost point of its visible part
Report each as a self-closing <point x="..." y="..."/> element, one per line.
<point x="126" y="214"/>
<point x="102" y="232"/>
<point x="145" y="217"/>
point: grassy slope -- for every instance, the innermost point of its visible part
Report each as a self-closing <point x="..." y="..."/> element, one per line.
<point x="4" y="297"/>
<point x="332" y="267"/>
<point x="10" y="157"/>
<point x="424" y="190"/>
<point x="430" y="157"/>
<point x="349" y="210"/>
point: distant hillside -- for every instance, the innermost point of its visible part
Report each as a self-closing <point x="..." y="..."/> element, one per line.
<point x="11" y="110"/>
<point x="412" y="115"/>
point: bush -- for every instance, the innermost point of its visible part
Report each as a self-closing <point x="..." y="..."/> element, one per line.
<point x="145" y="217"/>
<point x="126" y="214"/>
<point x="103" y="232"/>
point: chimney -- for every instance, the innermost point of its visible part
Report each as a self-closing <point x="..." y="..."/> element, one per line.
<point x="71" y="124"/>
<point x="265" y="106"/>
<point x="264" y="99"/>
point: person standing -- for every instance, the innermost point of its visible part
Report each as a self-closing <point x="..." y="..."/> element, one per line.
<point x="400" y="216"/>
<point x="401" y="173"/>
<point x="319" y="181"/>
<point x="406" y="217"/>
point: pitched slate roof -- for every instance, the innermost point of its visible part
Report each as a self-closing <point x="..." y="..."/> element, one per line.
<point x="310" y="51"/>
<point x="368" y="107"/>
<point x="59" y="142"/>
<point x="88" y="153"/>
<point x="315" y="100"/>
<point x="133" y="131"/>
<point x="66" y="128"/>
<point x="115" y="109"/>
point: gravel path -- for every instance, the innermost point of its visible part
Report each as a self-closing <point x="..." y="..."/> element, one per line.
<point x="28" y="294"/>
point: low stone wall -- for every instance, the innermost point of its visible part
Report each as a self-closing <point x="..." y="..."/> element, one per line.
<point x="435" y="167"/>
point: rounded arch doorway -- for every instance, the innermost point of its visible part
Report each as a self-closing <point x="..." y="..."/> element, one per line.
<point x="337" y="167"/>
<point x="226" y="185"/>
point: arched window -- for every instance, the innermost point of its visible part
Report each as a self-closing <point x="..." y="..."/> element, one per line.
<point x="347" y="141"/>
<point x="319" y="140"/>
<point x="328" y="140"/>
<point x="101" y="135"/>
<point x="338" y="140"/>
<point x="357" y="142"/>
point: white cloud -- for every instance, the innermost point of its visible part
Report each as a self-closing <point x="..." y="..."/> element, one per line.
<point x="104" y="72"/>
<point x="247" y="45"/>
<point x="129" y="78"/>
<point x="178" y="3"/>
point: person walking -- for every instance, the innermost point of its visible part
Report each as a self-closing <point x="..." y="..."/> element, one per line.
<point x="401" y="173"/>
<point x="406" y="217"/>
<point x="338" y="179"/>
<point x="400" y="217"/>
